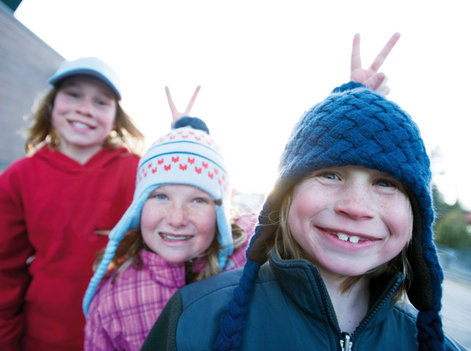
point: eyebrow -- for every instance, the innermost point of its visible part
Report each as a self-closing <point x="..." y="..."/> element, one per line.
<point x="105" y="90"/>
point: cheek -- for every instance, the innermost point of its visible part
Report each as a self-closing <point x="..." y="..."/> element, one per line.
<point x="297" y="222"/>
<point x="107" y="120"/>
<point x="150" y="217"/>
<point x="206" y="222"/>
<point x="400" y="221"/>
<point x="57" y="110"/>
<point x="61" y="103"/>
<point x="302" y="210"/>
<point x="108" y="116"/>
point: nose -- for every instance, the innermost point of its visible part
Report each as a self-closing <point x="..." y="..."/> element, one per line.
<point x="177" y="215"/>
<point x="355" y="202"/>
<point x="84" y="107"/>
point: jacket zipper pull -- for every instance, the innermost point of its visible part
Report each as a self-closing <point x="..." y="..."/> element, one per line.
<point x="345" y="342"/>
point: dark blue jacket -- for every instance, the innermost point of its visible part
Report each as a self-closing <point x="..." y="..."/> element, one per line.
<point x="290" y="310"/>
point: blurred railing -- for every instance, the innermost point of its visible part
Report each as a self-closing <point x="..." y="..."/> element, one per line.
<point x="456" y="263"/>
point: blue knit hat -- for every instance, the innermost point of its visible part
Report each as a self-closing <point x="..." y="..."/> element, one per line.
<point x="183" y="156"/>
<point x="353" y="126"/>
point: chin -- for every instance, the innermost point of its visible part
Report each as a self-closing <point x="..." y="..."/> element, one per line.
<point x="175" y="260"/>
<point x="347" y="271"/>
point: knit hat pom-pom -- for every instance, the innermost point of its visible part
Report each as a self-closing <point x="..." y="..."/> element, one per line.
<point x="192" y="122"/>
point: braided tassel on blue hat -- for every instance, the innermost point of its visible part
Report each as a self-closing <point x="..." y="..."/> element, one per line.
<point x="233" y="322"/>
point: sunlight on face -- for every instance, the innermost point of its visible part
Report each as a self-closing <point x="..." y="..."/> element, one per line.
<point x="350" y="219"/>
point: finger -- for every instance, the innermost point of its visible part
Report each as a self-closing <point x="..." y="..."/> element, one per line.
<point x="385" y="91"/>
<point x="192" y="100"/>
<point x="173" y="109"/>
<point x="375" y="81"/>
<point x="382" y="87"/>
<point x="356" y="59"/>
<point x="385" y="52"/>
<point x="378" y="83"/>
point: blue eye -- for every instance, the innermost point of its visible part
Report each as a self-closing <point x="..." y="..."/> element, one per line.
<point x="103" y="102"/>
<point x="200" y="201"/>
<point x="385" y="183"/>
<point x="73" y="94"/>
<point x="160" y="197"/>
<point x="329" y="176"/>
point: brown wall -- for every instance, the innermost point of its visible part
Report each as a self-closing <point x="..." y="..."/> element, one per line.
<point x="26" y="62"/>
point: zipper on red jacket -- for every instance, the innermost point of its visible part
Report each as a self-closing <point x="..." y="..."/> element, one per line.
<point x="345" y="342"/>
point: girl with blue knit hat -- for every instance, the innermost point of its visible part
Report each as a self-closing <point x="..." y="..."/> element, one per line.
<point x="177" y="230"/>
<point x="343" y="257"/>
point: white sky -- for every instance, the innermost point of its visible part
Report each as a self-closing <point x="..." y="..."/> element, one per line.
<point x="261" y="64"/>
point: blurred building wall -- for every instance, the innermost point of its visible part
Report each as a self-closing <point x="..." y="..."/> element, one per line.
<point x="26" y="62"/>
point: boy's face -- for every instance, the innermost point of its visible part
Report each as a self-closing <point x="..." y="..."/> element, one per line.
<point x="178" y="222"/>
<point x="84" y="114"/>
<point x="350" y="219"/>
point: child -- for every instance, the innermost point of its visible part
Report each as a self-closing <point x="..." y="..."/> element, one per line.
<point x="146" y="271"/>
<point x="75" y="185"/>
<point x="347" y="232"/>
<point x="178" y="231"/>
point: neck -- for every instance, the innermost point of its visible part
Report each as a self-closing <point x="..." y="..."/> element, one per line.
<point x="351" y="306"/>
<point x="81" y="155"/>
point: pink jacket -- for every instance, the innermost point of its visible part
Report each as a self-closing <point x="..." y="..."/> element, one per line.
<point x="122" y="314"/>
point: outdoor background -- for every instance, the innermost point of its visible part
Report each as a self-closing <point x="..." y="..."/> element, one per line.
<point x="261" y="64"/>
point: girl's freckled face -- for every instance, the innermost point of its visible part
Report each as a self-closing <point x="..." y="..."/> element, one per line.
<point x="178" y="222"/>
<point x="350" y="219"/>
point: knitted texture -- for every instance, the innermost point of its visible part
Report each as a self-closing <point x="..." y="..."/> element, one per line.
<point x="430" y="336"/>
<point x="233" y="322"/>
<point x="194" y="123"/>
<point x="183" y="156"/>
<point x="355" y="126"/>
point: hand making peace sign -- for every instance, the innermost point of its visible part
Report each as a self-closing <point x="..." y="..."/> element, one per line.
<point x="176" y="115"/>
<point x="370" y="77"/>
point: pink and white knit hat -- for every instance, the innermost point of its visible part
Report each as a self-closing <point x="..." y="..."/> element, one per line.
<point x="183" y="156"/>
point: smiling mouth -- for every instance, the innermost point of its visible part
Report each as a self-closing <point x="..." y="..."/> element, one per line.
<point x="344" y="237"/>
<point x="80" y="125"/>
<point x="168" y="237"/>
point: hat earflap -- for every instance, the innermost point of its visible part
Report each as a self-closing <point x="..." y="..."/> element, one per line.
<point x="117" y="233"/>
<point x="422" y="292"/>
<point x="225" y="234"/>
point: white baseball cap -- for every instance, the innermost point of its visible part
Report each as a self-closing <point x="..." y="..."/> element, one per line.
<point x="88" y="66"/>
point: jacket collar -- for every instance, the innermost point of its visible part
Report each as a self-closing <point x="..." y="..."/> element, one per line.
<point x="302" y="282"/>
<point x="171" y="275"/>
<point x="62" y="162"/>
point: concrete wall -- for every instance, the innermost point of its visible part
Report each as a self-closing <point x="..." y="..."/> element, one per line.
<point x="26" y="62"/>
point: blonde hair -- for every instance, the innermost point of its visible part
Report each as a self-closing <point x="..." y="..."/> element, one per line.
<point x="127" y="253"/>
<point x="42" y="131"/>
<point x="287" y="248"/>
